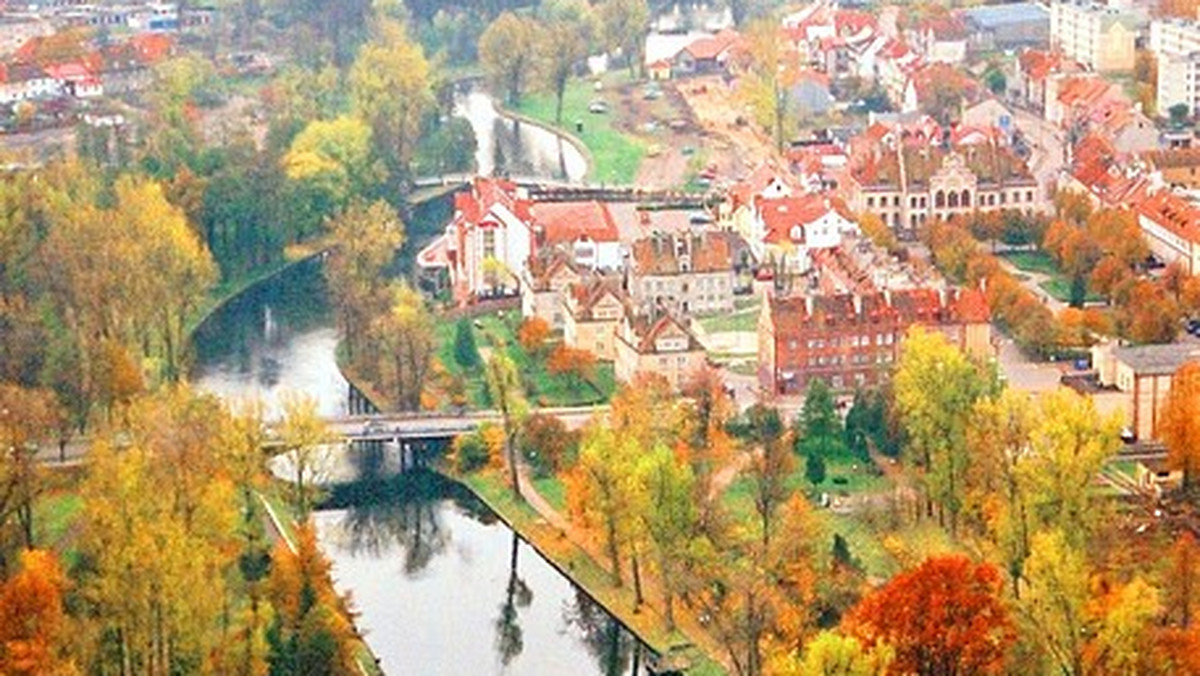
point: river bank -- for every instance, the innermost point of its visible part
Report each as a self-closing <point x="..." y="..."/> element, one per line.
<point x="569" y="557"/>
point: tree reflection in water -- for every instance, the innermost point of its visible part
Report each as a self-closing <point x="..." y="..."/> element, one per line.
<point x="509" y="637"/>
<point x="616" y="651"/>
<point x="403" y="509"/>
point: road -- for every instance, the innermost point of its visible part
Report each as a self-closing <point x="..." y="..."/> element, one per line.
<point x="1047" y="145"/>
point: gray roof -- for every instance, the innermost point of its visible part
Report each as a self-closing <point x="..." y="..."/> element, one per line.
<point x="992" y="16"/>
<point x="1157" y="359"/>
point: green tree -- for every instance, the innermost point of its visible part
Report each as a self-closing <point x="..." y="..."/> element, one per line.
<point x="304" y="436"/>
<point x="819" y="431"/>
<point x="367" y="237"/>
<point x="335" y="157"/>
<point x="466" y="354"/>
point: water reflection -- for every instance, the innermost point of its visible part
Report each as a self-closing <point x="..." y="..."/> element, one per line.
<point x="510" y="147"/>
<point x="275" y="338"/>
<point x="434" y="574"/>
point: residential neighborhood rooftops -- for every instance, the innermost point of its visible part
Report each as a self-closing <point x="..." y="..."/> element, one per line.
<point x="675" y="254"/>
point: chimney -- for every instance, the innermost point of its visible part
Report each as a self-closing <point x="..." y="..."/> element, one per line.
<point x="887" y="296"/>
<point x="644" y="217"/>
<point x="808" y="304"/>
<point x="857" y="305"/>
<point x="942" y="296"/>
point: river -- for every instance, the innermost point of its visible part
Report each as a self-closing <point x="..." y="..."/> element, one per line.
<point x="442" y="586"/>
<point x="516" y="148"/>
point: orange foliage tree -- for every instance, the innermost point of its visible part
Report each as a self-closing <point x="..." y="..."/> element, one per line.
<point x="533" y="334"/>
<point x="579" y="365"/>
<point x="944" y="617"/>
<point x="32" y="620"/>
<point x="1180" y="423"/>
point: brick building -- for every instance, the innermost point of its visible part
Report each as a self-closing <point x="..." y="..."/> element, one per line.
<point x="852" y="340"/>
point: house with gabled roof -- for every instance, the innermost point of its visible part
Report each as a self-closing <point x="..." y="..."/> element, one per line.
<point x="544" y="282"/>
<point x="592" y="309"/>
<point x="709" y="54"/>
<point x="787" y="229"/>
<point x="661" y="344"/>
<point x="585" y="230"/>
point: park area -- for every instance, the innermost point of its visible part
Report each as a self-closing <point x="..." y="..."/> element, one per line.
<point x="1047" y="274"/>
<point x="551" y="374"/>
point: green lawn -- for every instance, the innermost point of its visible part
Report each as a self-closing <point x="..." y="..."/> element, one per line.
<point x="615" y="154"/>
<point x="54" y="516"/>
<point x="1033" y="261"/>
<point x="553" y="490"/>
<point x="1059" y="288"/>
<point x="739" y="320"/>
<point x="542" y="388"/>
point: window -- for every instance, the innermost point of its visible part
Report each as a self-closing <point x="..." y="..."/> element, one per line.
<point x="1028" y="195"/>
<point x="870" y="201"/>
<point x="939" y="200"/>
<point x="792" y="344"/>
<point x="837" y="382"/>
<point x="489" y="243"/>
<point x="1002" y="196"/>
<point x="896" y="201"/>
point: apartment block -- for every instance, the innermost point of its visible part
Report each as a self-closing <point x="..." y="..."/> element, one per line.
<point x="1098" y="36"/>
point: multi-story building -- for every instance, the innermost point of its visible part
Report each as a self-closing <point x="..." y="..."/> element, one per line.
<point x="1142" y="377"/>
<point x="592" y="310"/>
<point x="1171" y="226"/>
<point x="686" y="273"/>
<point x="661" y="344"/>
<point x="1175" y="44"/>
<point x="1099" y="36"/>
<point x="851" y="340"/>
<point x="907" y="183"/>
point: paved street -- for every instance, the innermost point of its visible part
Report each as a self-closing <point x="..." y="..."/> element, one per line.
<point x="1047" y="146"/>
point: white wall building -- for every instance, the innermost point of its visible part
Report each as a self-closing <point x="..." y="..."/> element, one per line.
<point x="1098" y="36"/>
<point x="1176" y="46"/>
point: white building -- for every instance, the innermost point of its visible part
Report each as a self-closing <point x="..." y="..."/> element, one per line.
<point x="1176" y="46"/>
<point x="1098" y="36"/>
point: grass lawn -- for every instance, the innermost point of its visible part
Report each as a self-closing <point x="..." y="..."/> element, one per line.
<point x="739" y="320"/>
<point x="553" y="490"/>
<point x="541" y="387"/>
<point x="1059" y="288"/>
<point x="615" y="154"/>
<point x="1033" y="261"/>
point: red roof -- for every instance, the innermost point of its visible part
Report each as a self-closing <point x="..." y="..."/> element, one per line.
<point x="971" y="306"/>
<point x="710" y="47"/>
<point x="1037" y="64"/>
<point x="1173" y="213"/>
<point x="566" y="222"/>
<point x="849" y="21"/>
<point x="781" y="215"/>
<point x="153" y="47"/>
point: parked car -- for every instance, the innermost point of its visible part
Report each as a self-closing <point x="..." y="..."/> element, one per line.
<point x="598" y="106"/>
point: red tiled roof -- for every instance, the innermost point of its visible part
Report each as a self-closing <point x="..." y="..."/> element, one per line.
<point x="849" y="21"/>
<point x="781" y="215"/>
<point x="1173" y="213"/>
<point x="945" y="28"/>
<point x="744" y="191"/>
<point x="1037" y="64"/>
<point x="710" y="47"/>
<point x="971" y="306"/>
<point x="661" y="255"/>
<point x="153" y="47"/>
<point x="566" y="222"/>
<point x="648" y="332"/>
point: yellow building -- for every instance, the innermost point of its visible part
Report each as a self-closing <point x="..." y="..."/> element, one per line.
<point x="662" y="345"/>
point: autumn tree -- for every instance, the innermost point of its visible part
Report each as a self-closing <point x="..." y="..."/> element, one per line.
<point x="1179" y="425"/>
<point x="367" y="237"/>
<point x="390" y="86"/>
<point x="533" y="334"/>
<point x="404" y="339"/>
<point x="333" y="160"/>
<point x="936" y="387"/>
<point x="576" y="364"/>
<point x="33" y="621"/>
<point x="547" y="443"/>
<point x="28" y="419"/>
<point x="704" y="414"/>
<point x="508" y="397"/>
<point x="303" y="435"/>
<point x="1054" y="605"/>
<point x="834" y="654"/>
<point x="601" y="490"/>
<point x="1069" y="445"/>
<point x="146" y="565"/>
<point x="878" y="232"/>
<point x="668" y="515"/>
<point x="311" y="633"/>
<point x="767" y="82"/>
<point x="944" y="617"/>
<point x="998" y="438"/>
<point x="1181" y="581"/>
<point x="505" y="55"/>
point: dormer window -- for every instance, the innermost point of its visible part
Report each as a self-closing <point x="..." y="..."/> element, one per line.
<point x="797" y="233"/>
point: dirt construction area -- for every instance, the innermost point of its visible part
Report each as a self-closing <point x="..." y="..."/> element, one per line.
<point x="691" y="131"/>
